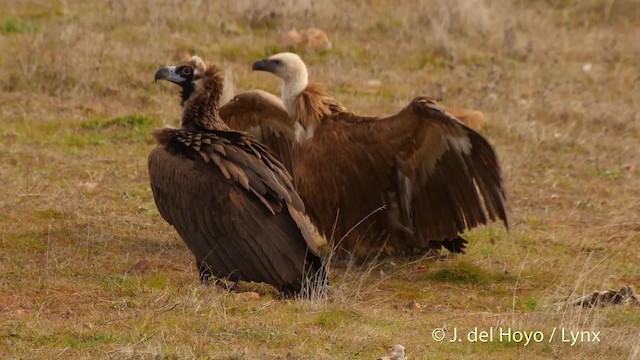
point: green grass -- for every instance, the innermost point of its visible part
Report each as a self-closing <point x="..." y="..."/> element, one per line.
<point x="77" y="217"/>
<point x="13" y="26"/>
<point x="465" y="273"/>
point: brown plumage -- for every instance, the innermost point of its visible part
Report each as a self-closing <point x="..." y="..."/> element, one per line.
<point x="227" y="195"/>
<point x="432" y="175"/>
<point x="313" y="104"/>
<point x="264" y="116"/>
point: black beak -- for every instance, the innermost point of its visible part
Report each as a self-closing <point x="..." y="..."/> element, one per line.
<point x="162" y="74"/>
<point x="263" y="65"/>
<point x="169" y="73"/>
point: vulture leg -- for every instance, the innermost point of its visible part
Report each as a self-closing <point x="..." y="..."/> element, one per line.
<point x="289" y="292"/>
<point x="207" y="278"/>
<point x="205" y="273"/>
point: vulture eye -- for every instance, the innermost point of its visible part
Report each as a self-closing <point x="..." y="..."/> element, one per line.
<point x="186" y="71"/>
<point x="277" y="62"/>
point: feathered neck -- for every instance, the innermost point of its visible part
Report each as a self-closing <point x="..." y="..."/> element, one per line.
<point x="187" y="91"/>
<point x="311" y="105"/>
<point x="201" y="106"/>
<point x="293" y="86"/>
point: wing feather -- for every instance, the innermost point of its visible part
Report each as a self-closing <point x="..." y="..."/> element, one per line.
<point x="264" y="116"/>
<point x="438" y="176"/>
<point x="455" y="168"/>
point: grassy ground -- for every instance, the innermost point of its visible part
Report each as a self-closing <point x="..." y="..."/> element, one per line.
<point x="89" y="269"/>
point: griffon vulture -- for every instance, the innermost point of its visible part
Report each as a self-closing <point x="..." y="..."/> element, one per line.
<point x="419" y="178"/>
<point x="229" y="198"/>
<point x="264" y="116"/>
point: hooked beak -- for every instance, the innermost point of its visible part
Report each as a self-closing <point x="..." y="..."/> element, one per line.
<point x="169" y="73"/>
<point x="263" y="65"/>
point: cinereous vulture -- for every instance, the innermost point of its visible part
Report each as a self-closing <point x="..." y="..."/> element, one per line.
<point x="228" y="197"/>
<point x="418" y="178"/>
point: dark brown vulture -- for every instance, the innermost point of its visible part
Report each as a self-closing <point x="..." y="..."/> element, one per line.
<point x="432" y="175"/>
<point x="229" y="198"/>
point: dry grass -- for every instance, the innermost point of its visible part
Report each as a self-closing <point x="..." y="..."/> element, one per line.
<point x="89" y="269"/>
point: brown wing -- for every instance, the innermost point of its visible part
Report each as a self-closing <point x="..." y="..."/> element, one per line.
<point x="451" y="172"/>
<point x="341" y="180"/>
<point x="264" y="116"/>
<point x="435" y="176"/>
<point x="234" y="206"/>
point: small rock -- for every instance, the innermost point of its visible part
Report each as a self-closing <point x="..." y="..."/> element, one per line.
<point x="372" y="86"/>
<point x="414" y="305"/>
<point x="311" y="38"/>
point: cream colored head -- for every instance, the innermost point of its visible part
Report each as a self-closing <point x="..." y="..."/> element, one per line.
<point x="291" y="69"/>
<point x="287" y="66"/>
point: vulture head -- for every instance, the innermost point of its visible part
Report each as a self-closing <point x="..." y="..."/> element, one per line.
<point x="290" y="68"/>
<point x="186" y="75"/>
<point x="202" y="88"/>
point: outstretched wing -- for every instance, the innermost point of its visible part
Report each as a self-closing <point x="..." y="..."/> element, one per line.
<point x="264" y="116"/>
<point x="447" y="175"/>
<point x="435" y="176"/>
<point x="234" y="205"/>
